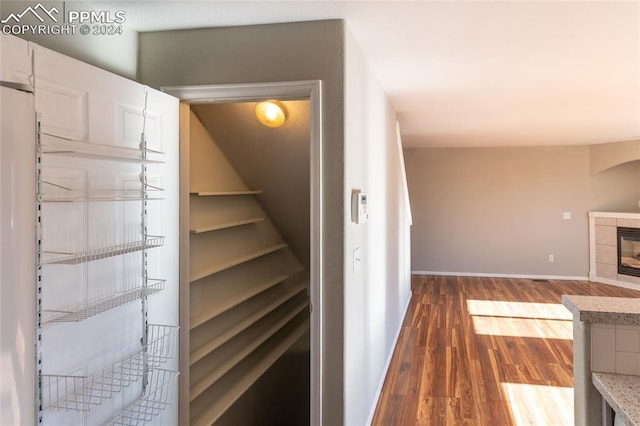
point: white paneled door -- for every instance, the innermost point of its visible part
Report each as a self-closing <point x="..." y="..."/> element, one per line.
<point x="89" y="217"/>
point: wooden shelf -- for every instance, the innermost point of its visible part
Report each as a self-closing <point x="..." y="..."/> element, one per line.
<point x="222" y="306"/>
<point x="224" y="193"/>
<point x="227" y="225"/>
<point x="234" y="262"/>
<point x="239" y="380"/>
<point x="213" y="344"/>
<point x="240" y="349"/>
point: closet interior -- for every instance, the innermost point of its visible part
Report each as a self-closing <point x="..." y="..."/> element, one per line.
<point x="245" y="254"/>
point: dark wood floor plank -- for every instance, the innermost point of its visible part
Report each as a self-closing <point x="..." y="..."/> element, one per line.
<point x="451" y="367"/>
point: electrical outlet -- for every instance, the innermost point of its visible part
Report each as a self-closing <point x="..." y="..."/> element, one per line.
<point x="566" y="215"/>
<point x="552" y="258"/>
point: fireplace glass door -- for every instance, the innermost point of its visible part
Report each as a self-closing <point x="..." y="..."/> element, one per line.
<point x="629" y="251"/>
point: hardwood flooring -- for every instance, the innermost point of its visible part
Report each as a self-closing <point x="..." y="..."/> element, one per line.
<point x="485" y="351"/>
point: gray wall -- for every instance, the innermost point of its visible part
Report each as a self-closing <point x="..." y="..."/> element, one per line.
<point x="268" y="53"/>
<point x="362" y="311"/>
<point x="376" y="296"/>
<point x="500" y="210"/>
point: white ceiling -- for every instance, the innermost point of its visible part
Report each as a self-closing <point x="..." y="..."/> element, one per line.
<point x="471" y="73"/>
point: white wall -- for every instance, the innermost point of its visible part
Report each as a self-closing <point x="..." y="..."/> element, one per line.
<point x="376" y="296"/>
<point x="500" y="210"/>
<point x="606" y="155"/>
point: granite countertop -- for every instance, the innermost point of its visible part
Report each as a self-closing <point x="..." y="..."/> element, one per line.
<point x="605" y="310"/>
<point x="621" y="392"/>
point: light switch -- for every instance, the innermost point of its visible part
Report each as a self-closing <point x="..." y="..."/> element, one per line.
<point x="566" y="215"/>
<point x="357" y="260"/>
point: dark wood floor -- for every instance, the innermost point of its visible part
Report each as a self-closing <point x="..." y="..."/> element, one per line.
<point x="484" y="351"/>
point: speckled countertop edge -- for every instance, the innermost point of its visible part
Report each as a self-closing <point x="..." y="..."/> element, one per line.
<point x="605" y="310"/>
<point x="621" y="392"/>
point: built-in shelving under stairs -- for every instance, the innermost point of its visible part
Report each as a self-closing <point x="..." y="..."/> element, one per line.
<point x="248" y="293"/>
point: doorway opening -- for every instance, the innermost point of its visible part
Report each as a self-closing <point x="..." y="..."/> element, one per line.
<point x="250" y="256"/>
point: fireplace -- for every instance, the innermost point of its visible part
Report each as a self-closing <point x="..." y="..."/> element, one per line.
<point x="629" y="251"/>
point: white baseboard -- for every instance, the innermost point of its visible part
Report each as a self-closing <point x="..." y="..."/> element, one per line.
<point x="622" y="284"/>
<point x="387" y="364"/>
<point x="491" y="275"/>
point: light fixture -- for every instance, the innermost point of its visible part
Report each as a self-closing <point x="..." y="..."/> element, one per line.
<point x="271" y="113"/>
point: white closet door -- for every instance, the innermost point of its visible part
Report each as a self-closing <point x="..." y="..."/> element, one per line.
<point x="161" y="131"/>
<point x="80" y="102"/>
<point x="15" y="66"/>
<point x="109" y="219"/>
<point x="161" y="134"/>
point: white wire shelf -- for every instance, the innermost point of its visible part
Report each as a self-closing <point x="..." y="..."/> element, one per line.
<point x="84" y="149"/>
<point x="55" y="193"/>
<point x="81" y="393"/>
<point x="103" y="304"/>
<point x="67" y="258"/>
<point x="157" y="396"/>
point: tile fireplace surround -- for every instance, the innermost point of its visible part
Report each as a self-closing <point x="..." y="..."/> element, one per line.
<point x="603" y="247"/>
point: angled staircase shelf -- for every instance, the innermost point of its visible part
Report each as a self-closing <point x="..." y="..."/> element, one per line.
<point x="224" y="193"/>
<point x="213" y="344"/>
<point x="226" y="225"/>
<point x="247" y="295"/>
<point x="235" y="300"/>
<point x="235" y="350"/>
<point x="211" y="404"/>
<point x="195" y="276"/>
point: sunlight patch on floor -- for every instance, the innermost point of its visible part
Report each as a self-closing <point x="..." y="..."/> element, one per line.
<point x="523" y="327"/>
<point x="539" y="405"/>
<point x="520" y="319"/>
<point x="499" y="308"/>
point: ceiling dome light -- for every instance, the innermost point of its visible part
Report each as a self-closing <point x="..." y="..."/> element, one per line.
<point x="271" y="113"/>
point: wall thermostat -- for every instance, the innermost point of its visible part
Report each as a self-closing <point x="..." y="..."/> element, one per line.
<point x="359" y="208"/>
